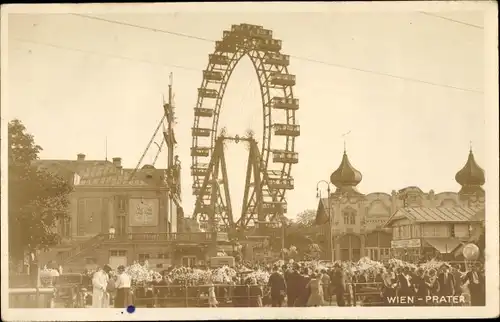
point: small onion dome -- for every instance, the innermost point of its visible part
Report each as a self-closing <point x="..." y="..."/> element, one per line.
<point x="471" y="174"/>
<point x="346" y="175"/>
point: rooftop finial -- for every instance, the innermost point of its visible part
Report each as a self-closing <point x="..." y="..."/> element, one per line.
<point x="470" y="146"/>
<point x="106" y="147"/>
<point x="344" y="137"/>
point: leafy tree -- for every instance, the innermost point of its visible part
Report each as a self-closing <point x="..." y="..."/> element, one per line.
<point x="37" y="199"/>
<point x="306" y="218"/>
<point x="313" y="252"/>
<point x="296" y="230"/>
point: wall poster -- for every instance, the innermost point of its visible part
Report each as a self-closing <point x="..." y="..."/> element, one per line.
<point x="143" y="212"/>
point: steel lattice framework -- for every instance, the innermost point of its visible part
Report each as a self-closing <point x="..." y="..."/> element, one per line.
<point x="264" y="195"/>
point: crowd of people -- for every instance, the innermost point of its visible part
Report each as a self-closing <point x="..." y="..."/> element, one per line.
<point x="392" y="285"/>
<point x="300" y="285"/>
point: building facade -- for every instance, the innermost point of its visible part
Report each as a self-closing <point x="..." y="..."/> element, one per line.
<point x="424" y="233"/>
<point x="119" y="216"/>
<point x="356" y="222"/>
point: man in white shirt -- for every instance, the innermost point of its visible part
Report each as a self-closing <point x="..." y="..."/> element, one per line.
<point x="123" y="294"/>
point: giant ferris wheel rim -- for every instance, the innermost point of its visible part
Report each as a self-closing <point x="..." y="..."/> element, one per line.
<point x="264" y="70"/>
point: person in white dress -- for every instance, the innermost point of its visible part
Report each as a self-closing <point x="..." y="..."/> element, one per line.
<point x="100" y="297"/>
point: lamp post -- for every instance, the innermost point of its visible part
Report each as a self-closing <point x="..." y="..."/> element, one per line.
<point x="330" y="219"/>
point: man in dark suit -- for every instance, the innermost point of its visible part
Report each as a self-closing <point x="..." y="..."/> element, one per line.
<point x="476" y="286"/>
<point x="338" y="282"/>
<point x="278" y="287"/>
<point x="446" y="283"/>
<point x="404" y="282"/>
<point x="457" y="275"/>
<point x="292" y="280"/>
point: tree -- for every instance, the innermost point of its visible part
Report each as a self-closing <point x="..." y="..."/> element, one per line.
<point x="313" y="252"/>
<point x="37" y="199"/>
<point x="306" y="218"/>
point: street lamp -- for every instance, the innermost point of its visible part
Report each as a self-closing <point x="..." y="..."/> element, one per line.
<point x="330" y="219"/>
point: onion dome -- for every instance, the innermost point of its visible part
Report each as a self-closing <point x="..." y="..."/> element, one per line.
<point x="471" y="174"/>
<point x="346" y="176"/>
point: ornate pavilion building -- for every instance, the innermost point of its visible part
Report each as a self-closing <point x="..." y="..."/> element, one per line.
<point x="364" y="224"/>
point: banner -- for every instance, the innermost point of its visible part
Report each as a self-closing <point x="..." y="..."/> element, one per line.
<point x="143" y="212"/>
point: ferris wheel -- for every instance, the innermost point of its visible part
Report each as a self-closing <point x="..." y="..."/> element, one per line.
<point x="276" y="151"/>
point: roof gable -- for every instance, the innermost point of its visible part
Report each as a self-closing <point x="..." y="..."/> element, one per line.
<point x="322" y="216"/>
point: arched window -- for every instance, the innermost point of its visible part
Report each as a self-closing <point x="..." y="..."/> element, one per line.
<point x="349" y="215"/>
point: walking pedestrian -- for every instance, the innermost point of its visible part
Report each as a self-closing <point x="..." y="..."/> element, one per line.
<point x="339" y="284"/>
<point x="278" y="287"/>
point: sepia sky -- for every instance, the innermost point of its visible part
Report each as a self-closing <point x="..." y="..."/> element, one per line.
<point x="75" y="81"/>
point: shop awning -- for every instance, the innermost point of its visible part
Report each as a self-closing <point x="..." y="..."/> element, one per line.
<point x="444" y="245"/>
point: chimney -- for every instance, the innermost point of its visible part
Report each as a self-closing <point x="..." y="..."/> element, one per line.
<point x="117" y="162"/>
<point x="80" y="157"/>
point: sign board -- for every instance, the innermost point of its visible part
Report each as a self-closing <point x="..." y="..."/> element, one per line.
<point x="406" y="243"/>
<point x="222" y="261"/>
<point x="143" y="212"/>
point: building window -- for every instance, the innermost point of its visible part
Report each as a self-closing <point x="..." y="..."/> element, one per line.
<point x="144" y="257"/>
<point x="163" y="255"/>
<point x="416" y="233"/>
<point x="395" y="232"/>
<point x="117" y="253"/>
<point x="461" y="230"/>
<point x="349" y="216"/>
<point x="372" y="253"/>
<point x="433" y="231"/>
<point x="386" y="252"/>
<point x="188" y="261"/>
<point x="122" y="204"/>
<point x="65" y="224"/>
<point x="405" y="232"/>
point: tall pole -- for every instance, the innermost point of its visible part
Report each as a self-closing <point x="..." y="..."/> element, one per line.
<point x="332" y="251"/>
<point x="330" y="219"/>
<point x="170" y="145"/>
<point x="282" y="233"/>
<point x="170" y="120"/>
<point x="169" y="141"/>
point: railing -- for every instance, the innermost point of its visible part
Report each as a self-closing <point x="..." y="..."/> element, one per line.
<point x="66" y="256"/>
<point x="178" y="296"/>
<point x="30" y="298"/>
<point x="91" y="243"/>
<point x="367" y="294"/>
<point x="163" y="236"/>
<point x="191" y="296"/>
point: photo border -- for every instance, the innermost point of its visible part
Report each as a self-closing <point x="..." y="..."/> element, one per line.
<point x="491" y="168"/>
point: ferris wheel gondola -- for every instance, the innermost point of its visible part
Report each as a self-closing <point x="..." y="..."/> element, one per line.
<point x="277" y="148"/>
